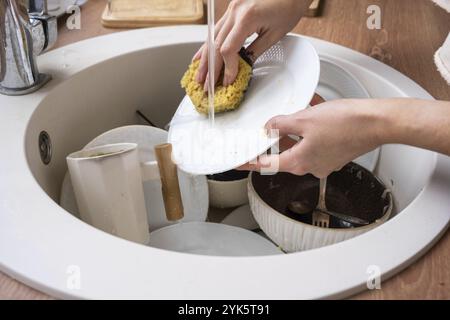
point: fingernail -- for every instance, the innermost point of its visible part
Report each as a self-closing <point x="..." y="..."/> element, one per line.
<point x="269" y="126"/>
<point x="198" y="55"/>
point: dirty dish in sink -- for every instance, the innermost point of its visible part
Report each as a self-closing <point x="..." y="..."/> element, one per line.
<point x="351" y="191"/>
<point x="242" y="217"/>
<point x="107" y="182"/>
<point x="194" y="189"/>
<point x="228" y="189"/>
<point x="212" y="239"/>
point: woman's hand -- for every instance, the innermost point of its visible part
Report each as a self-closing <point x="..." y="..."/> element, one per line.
<point x="270" y="19"/>
<point x="334" y="133"/>
<point x="337" y="132"/>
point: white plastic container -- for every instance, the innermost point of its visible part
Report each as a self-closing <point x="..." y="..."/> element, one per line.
<point x="107" y="182"/>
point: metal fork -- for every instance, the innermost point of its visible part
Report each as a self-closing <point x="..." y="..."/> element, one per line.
<point x="319" y="218"/>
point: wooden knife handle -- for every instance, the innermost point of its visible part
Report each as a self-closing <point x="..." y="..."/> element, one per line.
<point x="169" y="180"/>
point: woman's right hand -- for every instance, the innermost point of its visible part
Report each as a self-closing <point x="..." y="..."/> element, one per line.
<point x="270" y="19"/>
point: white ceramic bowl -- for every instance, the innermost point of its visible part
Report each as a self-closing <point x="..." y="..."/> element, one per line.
<point x="228" y="194"/>
<point x="292" y="235"/>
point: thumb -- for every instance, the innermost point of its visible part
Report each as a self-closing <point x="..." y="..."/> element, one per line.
<point x="284" y="125"/>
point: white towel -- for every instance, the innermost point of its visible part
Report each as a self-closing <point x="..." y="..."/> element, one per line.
<point x="444" y="4"/>
<point x="442" y="56"/>
<point x="442" y="59"/>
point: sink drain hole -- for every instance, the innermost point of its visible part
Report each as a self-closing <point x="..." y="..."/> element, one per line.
<point x="45" y="147"/>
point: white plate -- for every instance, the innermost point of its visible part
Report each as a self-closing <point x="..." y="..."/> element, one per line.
<point x="337" y="83"/>
<point x="212" y="239"/>
<point x="284" y="80"/>
<point x="194" y="189"/>
<point x="241" y="217"/>
<point x="58" y="8"/>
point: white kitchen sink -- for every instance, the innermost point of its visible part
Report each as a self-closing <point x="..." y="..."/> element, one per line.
<point x="98" y="85"/>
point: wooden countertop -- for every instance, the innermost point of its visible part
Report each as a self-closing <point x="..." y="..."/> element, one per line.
<point x="411" y="32"/>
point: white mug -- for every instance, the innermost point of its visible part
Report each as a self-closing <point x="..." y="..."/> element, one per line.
<point x="107" y="182"/>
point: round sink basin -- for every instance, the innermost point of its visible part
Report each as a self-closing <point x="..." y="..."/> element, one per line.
<point x="98" y="85"/>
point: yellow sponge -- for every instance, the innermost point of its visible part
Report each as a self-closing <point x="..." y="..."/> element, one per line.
<point x="225" y="98"/>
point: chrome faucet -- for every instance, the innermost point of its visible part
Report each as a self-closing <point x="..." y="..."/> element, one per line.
<point x="26" y="30"/>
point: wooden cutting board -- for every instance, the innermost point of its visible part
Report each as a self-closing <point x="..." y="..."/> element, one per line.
<point x="315" y="8"/>
<point x="149" y="13"/>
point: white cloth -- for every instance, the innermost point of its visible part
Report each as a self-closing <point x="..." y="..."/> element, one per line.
<point x="442" y="59"/>
<point x="442" y="56"/>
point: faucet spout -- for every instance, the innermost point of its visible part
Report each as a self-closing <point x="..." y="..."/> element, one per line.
<point x="25" y="32"/>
